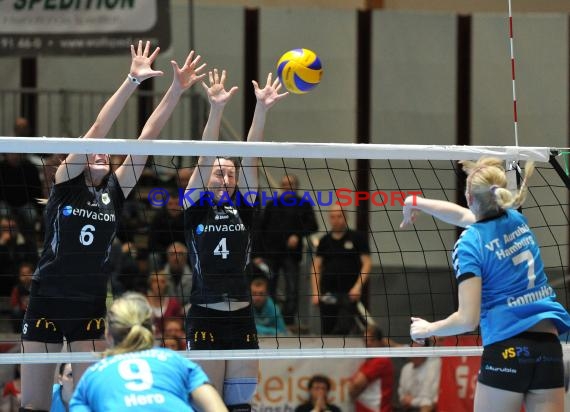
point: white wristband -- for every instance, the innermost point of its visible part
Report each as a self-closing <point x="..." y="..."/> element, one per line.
<point x="133" y="79"/>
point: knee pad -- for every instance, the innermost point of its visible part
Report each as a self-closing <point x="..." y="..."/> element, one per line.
<point x="239" y="391"/>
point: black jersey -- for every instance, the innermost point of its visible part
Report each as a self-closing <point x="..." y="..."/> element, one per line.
<point x="218" y="241"/>
<point x="81" y="223"/>
<point x="341" y="262"/>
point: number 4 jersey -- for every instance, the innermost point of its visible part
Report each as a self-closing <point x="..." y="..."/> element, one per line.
<point x="80" y="224"/>
<point x="515" y="291"/>
<point x="218" y="240"/>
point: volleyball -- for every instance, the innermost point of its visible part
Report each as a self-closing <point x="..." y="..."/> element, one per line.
<point x="299" y="70"/>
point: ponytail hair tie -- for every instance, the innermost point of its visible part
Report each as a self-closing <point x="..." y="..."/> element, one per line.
<point x="493" y="188"/>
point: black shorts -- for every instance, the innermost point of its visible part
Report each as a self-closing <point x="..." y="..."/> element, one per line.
<point x="209" y="329"/>
<point x="50" y="319"/>
<point x="530" y="360"/>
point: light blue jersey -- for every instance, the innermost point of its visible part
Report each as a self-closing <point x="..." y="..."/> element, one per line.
<point x="152" y="380"/>
<point x="515" y="291"/>
<point x="57" y="404"/>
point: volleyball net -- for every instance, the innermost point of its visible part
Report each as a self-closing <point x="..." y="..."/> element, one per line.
<point x="411" y="272"/>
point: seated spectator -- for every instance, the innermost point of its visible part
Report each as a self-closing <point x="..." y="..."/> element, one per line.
<point x="162" y="303"/>
<point x="372" y="386"/>
<point x="179" y="270"/>
<point x="170" y="343"/>
<point x="20" y="295"/>
<point x="419" y="383"/>
<point x="11" y="392"/>
<point x="268" y="318"/>
<point x="130" y="271"/>
<point x="174" y="329"/>
<point x="319" y="387"/>
<point x="15" y="249"/>
<point x="63" y="389"/>
<point x="166" y="227"/>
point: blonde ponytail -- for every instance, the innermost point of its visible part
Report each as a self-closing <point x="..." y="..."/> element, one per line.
<point x="487" y="183"/>
<point x="129" y="323"/>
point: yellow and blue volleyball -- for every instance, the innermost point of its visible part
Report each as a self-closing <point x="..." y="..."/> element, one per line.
<point x="299" y="70"/>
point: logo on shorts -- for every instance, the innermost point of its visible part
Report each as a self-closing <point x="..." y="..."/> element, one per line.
<point x="203" y="336"/>
<point x="98" y="322"/>
<point x="47" y="324"/>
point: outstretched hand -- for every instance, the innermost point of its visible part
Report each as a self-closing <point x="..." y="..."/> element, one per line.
<point x="217" y="94"/>
<point x="410" y="213"/>
<point x="189" y="74"/>
<point x="419" y="330"/>
<point x="269" y="95"/>
<point x="141" y="61"/>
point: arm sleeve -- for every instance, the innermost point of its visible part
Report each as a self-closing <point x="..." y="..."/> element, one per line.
<point x="196" y="376"/>
<point x="467" y="254"/>
<point x="79" y="402"/>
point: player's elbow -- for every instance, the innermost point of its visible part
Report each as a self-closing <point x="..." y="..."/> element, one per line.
<point x="470" y="321"/>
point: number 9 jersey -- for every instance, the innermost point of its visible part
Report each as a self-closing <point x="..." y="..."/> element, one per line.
<point x="157" y="379"/>
<point x="80" y="224"/>
<point x="516" y="295"/>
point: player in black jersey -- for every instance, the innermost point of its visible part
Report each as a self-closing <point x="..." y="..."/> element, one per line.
<point x="69" y="286"/>
<point x="218" y="221"/>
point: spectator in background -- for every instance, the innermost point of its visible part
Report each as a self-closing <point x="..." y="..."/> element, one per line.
<point x="11" y="391"/>
<point x="20" y="183"/>
<point x="130" y="270"/>
<point x="372" y="386"/>
<point x="15" y="249"/>
<point x="180" y="273"/>
<point x="174" y="329"/>
<point x="20" y="295"/>
<point x="283" y="226"/>
<point x="341" y="268"/>
<point x="170" y="343"/>
<point x="419" y="383"/>
<point x="268" y="319"/>
<point x="319" y="387"/>
<point x="63" y="389"/>
<point x="166" y="227"/>
<point x="163" y="305"/>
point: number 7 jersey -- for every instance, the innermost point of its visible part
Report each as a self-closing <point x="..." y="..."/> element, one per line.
<point x="516" y="295"/>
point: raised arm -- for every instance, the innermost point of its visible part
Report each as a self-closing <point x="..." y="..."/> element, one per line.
<point x="266" y="98"/>
<point x="218" y="96"/>
<point x="183" y="78"/>
<point x="443" y="210"/>
<point x="140" y="70"/>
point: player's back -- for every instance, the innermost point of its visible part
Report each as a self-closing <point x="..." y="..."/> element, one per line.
<point x="152" y="380"/>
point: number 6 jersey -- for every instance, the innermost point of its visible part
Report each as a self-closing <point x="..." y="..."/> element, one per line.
<point x="80" y="223"/>
<point x="515" y="291"/>
<point x="218" y="240"/>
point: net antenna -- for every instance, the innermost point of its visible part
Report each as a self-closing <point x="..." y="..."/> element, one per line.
<point x="512" y="50"/>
